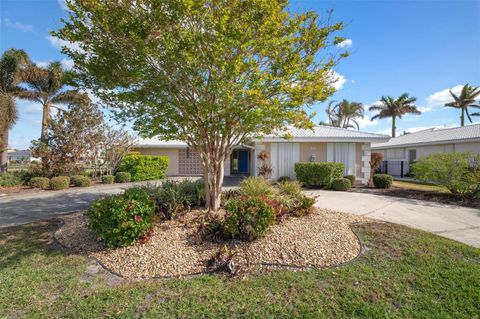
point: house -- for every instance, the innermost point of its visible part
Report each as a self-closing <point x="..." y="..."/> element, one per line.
<point x="400" y="152"/>
<point x="22" y="156"/>
<point x="322" y="144"/>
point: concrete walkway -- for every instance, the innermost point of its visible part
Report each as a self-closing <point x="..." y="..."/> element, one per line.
<point x="454" y="222"/>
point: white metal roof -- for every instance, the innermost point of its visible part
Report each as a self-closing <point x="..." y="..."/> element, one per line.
<point x="431" y="136"/>
<point x="156" y="142"/>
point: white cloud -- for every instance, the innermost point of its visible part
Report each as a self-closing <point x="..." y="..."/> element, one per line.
<point x="425" y="109"/>
<point x="338" y="80"/>
<point x="63" y="4"/>
<point x="366" y="122"/>
<point x="441" y="97"/>
<point x="345" y="43"/>
<point x="59" y="43"/>
<point x="18" y="25"/>
<point x="67" y="63"/>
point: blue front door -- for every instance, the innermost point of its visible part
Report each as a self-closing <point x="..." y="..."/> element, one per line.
<point x="243" y="161"/>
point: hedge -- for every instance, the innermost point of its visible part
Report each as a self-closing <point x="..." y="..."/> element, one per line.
<point x="59" y="182"/>
<point x="40" y="182"/>
<point x="382" y="180"/>
<point x="318" y="174"/>
<point x="123" y="177"/>
<point x="144" y="167"/>
<point x="341" y="184"/>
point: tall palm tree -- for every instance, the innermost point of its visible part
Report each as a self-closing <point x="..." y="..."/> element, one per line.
<point x="11" y="64"/>
<point x="344" y="114"/>
<point x="390" y="107"/>
<point x="464" y="100"/>
<point x="47" y="87"/>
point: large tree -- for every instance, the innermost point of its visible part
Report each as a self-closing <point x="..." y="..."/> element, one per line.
<point x="11" y="64"/>
<point x="212" y="73"/>
<point x="394" y="108"/>
<point x="344" y="114"/>
<point x="465" y="100"/>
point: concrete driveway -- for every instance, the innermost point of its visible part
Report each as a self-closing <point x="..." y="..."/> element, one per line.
<point x="454" y="222"/>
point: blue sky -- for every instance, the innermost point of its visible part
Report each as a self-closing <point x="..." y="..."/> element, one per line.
<point x="424" y="48"/>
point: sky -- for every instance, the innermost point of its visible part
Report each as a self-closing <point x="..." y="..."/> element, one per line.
<point x="424" y="48"/>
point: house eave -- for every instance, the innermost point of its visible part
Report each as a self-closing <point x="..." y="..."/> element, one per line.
<point x="442" y="142"/>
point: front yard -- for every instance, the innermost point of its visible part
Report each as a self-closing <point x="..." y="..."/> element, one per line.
<point x="404" y="273"/>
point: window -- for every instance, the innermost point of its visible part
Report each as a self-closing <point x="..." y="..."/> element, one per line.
<point x="412" y="156"/>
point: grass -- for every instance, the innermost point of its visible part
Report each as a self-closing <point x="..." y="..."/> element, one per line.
<point x="412" y="185"/>
<point x="404" y="274"/>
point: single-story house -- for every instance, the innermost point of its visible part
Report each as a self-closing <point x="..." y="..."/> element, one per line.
<point x="322" y="144"/>
<point x="21" y="156"/>
<point x="406" y="149"/>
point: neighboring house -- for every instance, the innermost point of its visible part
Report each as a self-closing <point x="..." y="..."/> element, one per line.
<point x="322" y="144"/>
<point x="23" y="156"/>
<point x="400" y="152"/>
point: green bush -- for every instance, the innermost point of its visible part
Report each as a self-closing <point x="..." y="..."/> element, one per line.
<point x="108" y="179"/>
<point x="59" y="182"/>
<point x="341" y="184"/>
<point x="305" y="206"/>
<point x="246" y="218"/>
<point x="9" y="180"/>
<point x="40" y="182"/>
<point x="144" y="167"/>
<point x="25" y="175"/>
<point x="382" y="180"/>
<point x="351" y="178"/>
<point x="282" y="179"/>
<point x="256" y="186"/>
<point x="458" y="172"/>
<point x="120" y="220"/>
<point x="80" y="181"/>
<point x="293" y="189"/>
<point x="123" y="177"/>
<point x="318" y="174"/>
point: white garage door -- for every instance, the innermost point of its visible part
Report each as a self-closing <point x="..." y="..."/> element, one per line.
<point x="284" y="156"/>
<point x="342" y="153"/>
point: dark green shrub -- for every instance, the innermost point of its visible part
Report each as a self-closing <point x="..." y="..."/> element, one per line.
<point x="40" y="182"/>
<point x="193" y="191"/>
<point x="123" y="177"/>
<point x="80" y="181"/>
<point x="9" y="180"/>
<point x="247" y="218"/>
<point x="122" y="219"/>
<point x="341" y="184"/>
<point x="305" y="206"/>
<point x="282" y="179"/>
<point x="59" y="182"/>
<point x="172" y="196"/>
<point x="352" y="178"/>
<point x="108" y="179"/>
<point x="144" y="167"/>
<point x="382" y="180"/>
<point x="318" y="174"/>
<point x="255" y="186"/>
<point x="25" y="175"/>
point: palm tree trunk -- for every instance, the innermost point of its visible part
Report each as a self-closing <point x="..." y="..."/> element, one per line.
<point x="45" y="120"/>
<point x="394" y="128"/>
<point x="462" y="118"/>
<point x="3" y="149"/>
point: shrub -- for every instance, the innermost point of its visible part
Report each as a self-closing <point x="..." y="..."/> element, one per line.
<point x="40" y="182"/>
<point x="123" y="177"/>
<point x="341" y="184"/>
<point x="292" y="189"/>
<point x="351" y="178"/>
<point x="122" y="219"/>
<point x="256" y="186"/>
<point x="382" y="180"/>
<point x="25" y="175"/>
<point x="9" y="180"/>
<point x="458" y="172"/>
<point x="319" y="174"/>
<point x="108" y="179"/>
<point x="282" y="179"/>
<point x="193" y="192"/>
<point x="247" y="218"/>
<point x="305" y="206"/>
<point x="80" y="181"/>
<point x="144" y="167"/>
<point x="59" y="182"/>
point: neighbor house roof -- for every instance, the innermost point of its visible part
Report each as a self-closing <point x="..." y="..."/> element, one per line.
<point x="434" y="136"/>
<point x="155" y="142"/>
<point x="22" y="153"/>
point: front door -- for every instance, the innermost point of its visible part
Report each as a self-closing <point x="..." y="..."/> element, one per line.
<point x="239" y="162"/>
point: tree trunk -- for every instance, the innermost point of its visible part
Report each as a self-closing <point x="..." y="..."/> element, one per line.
<point x="394" y="128"/>
<point x="44" y="133"/>
<point x="462" y="118"/>
<point x="3" y="149"/>
<point x="213" y="163"/>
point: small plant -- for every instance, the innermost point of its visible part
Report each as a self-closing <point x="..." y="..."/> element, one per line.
<point x="256" y="186"/>
<point x="229" y="194"/>
<point x="382" y="180"/>
<point x="375" y="160"/>
<point x="59" y="182"/>
<point x="292" y="189"/>
<point x="341" y="184"/>
<point x="222" y="261"/>
<point x="108" y="179"/>
<point x="123" y="177"/>
<point x="305" y="207"/>
<point x="352" y="178"/>
<point x="282" y="179"/>
<point x="265" y="168"/>
<point x="193" y="192"/>
<point x="40" y="182"/>
<point x="122" y="219"/>
<point x="9" y="180"/>
<point x="80" y="181"/>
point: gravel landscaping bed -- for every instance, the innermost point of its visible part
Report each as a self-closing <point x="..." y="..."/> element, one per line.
<point x="321" y="239"/>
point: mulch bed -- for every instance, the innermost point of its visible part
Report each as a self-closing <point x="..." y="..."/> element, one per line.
<point x="438" y="197"/>
<point x="321" y="239"/>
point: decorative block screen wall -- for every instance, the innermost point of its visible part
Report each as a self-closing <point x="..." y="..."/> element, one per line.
<point x="189" y="162"/>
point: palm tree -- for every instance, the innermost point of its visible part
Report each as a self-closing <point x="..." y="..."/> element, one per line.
<point x="46" y="86"/>
<point x="390" y="107"/>
<point x="11" y="64"/>
<point x="464" y="100"/>
<point x="344" y="114"/>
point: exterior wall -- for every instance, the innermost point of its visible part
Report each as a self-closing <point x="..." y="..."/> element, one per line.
<point x="365" y="163"/>
<point x="358" y="160"/>
<point x="172" y="153"/>
<point x="401" y="153"/>
<point x="318" y="150"/>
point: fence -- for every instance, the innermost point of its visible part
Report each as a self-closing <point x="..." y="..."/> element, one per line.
<point x="395" y="168"/>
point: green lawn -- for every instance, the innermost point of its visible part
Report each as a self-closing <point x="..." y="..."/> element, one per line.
<point x="405" y="274"/>
<point x="410" y="185"/>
